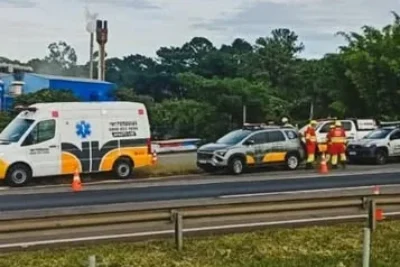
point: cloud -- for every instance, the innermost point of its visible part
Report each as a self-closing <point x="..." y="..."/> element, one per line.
<point x="315" y="21"/>
<point x="135" y="4"/>
<point x="145" y="25"/>
<point x="18" y="3"/>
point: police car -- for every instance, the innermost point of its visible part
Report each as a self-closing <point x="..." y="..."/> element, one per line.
<point x="377" y="146"/>
<point x="252" y="146"/>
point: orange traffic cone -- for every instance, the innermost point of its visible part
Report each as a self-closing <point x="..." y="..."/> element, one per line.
<point x="323" y="166"/>
<point x="154" y="158"/>
<point x="376" y="190"/>
<point x="76" y="182"/>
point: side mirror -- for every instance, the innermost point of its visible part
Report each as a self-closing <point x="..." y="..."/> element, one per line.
<point x="249" y="142"/>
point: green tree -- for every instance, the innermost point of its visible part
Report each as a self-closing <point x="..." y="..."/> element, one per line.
<point x="230" y="95"/>
<point x="45" y="96"/>
<point x="373" y="66"/>
<point x="274" y="56"/>
<point x="185" y="118"/>
<point x="60" y="60"/>
<point x="5" y="118"/>
<point x="268" y="77"/>
<point x="62" y="54"/>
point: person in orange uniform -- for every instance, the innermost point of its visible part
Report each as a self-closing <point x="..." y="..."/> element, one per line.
<point x="311" y="144"/>
<point x="329" y="143"/>
<point x="338" y="145"/>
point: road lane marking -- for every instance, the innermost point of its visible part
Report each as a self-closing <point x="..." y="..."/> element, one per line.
<point x="297" y="192"/>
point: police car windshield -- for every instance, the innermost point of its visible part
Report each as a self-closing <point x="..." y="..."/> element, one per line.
<point x="233" y="137"/>
<point x="378" y="134"/>
<point x="15" y="130"/>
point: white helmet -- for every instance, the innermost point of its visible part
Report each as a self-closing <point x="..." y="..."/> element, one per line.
<point x="285" y="120"/>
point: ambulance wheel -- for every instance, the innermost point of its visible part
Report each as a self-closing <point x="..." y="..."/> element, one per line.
<point x="18" y="175"/>
<point x="123" y="168"/>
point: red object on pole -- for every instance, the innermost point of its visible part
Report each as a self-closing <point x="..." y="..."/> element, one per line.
<point x="379" y="215"/>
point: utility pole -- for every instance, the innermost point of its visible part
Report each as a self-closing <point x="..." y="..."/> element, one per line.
<point x="91" y="55"/>
<point x="244" y="114"/>
<point x="101" y="38"/>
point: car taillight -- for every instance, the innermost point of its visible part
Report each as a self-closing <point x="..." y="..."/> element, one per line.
<point x="149" y="146"/>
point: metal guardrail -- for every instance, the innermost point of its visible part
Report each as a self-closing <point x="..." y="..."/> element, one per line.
<point x="145" y="220"/>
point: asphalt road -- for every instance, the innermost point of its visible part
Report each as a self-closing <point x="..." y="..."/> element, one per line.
<point x="162" y="192"/>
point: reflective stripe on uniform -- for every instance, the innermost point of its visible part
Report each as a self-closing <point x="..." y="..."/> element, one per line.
<point x="338" y="140"/>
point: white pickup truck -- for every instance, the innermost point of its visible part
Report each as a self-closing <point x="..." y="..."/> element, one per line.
<point x="355" y="129"/>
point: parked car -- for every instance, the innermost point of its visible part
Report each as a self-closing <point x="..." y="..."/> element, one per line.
<point x="378" y="146"/>
<point x="252" y="146"/>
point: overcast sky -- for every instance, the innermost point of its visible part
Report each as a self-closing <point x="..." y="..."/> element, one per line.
<point x="142" y="26"/>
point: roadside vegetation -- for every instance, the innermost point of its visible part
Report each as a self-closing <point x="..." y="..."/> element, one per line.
<point x="334" y="246"/>
<point x="168" y="169"/>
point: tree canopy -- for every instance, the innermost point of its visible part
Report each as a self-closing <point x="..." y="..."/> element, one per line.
<point x="199" y="89"/>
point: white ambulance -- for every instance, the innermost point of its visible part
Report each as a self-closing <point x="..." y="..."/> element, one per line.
<point x="49" y="139"/>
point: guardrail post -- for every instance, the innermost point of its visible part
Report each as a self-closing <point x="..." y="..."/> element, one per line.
<point x="371" y="225"/>
<point x="92" y="261"/>
<point x="365" y="202"/>
<point x="372" y="215"/>
<point x="366" y="246"/>
<point x="178" y="219"/>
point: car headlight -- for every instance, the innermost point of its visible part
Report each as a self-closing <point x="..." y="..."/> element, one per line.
<point x="221" y="152"/>
<point x="370" y="145"/>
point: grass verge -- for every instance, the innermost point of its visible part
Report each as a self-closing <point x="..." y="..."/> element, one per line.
<point x="160" y="169"/>
<point x="334" y="246"/>
<point x="167" y="170"/>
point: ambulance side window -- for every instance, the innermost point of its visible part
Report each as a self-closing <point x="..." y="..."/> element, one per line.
<point x="43" y="131"/>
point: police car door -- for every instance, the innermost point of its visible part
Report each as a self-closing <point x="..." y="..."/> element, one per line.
<point x="257" y="149"/>
<point x="394" y="143"/>
<point x="276" y="148"/>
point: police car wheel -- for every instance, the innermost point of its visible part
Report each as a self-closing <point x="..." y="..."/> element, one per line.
<point x="18" y="175"/>
<point x="236" y="165"/>
<point x="292" y="161"/>
<point x="123" y="168"/>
